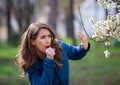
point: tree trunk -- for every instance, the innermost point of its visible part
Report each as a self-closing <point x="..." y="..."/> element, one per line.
<point x="69" y="22"/>
<point x="9" y="28"/>
<point x="23" y="12"/>
<point x="53" y="13"/>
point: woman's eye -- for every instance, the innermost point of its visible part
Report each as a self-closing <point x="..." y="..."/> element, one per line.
<point x="42" y="37"/>
<point x="49" y="36"/>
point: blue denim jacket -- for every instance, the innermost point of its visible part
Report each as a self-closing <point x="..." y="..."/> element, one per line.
<point x="44" y="73"/>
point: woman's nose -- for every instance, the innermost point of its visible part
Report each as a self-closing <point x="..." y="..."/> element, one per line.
<point x="47" y="40"/>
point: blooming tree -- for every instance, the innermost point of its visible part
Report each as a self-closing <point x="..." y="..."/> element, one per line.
<point x="108" y="29"/>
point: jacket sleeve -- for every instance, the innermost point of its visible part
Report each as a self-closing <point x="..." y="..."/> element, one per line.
<point x="45" y="77"/>
<point x="74" y="52"/>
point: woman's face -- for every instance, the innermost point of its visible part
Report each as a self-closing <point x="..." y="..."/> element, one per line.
<point x="43" y="40"/>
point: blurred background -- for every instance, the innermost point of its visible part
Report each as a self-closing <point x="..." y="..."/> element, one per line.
<point x="63" y="16"/>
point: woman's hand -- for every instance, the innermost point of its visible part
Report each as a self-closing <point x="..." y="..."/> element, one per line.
<point x="50" y="52"/>
<point x="84" y="41"/>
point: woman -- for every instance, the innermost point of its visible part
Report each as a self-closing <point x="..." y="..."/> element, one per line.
<point x="44" y="59"/>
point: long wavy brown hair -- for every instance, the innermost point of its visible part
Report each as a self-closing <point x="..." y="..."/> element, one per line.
<point x="27" y="54"/>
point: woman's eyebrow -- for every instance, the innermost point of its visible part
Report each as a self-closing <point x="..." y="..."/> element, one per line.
<point x="45" y="34"/>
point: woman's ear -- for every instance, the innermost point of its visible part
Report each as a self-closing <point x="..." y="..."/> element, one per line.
<point x="56" y="40"/>
<point x="32" y="42"/>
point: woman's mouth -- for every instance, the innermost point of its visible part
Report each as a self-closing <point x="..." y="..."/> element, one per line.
<point x="47" y="47"/>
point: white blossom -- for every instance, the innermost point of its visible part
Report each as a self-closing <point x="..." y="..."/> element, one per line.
<point x="109" y="28"/>
<point x="107" y="43"/>
<point x="91" y="19"/>
<point x="106" y="4"/>
<point x="107" y="53"/>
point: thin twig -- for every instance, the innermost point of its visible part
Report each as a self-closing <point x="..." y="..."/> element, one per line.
<point x="83" y="24"/>
<point x="85" y="29"/>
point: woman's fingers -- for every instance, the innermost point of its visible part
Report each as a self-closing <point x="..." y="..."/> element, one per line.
<point x="84" y="41"/>
<point x="82" y="37"/>
<point x="50" y="52"/>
